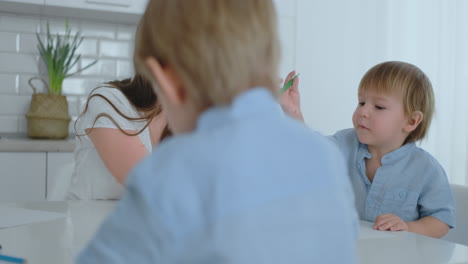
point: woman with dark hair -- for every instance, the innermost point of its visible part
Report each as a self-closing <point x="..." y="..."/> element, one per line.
<point x="121" y="122"/>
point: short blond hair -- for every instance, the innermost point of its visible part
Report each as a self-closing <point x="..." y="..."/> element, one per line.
<point x="414" y="86"/>
<point x="219" y="48"/>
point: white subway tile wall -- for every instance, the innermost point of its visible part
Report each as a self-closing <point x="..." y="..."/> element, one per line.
<point x="8" y="41"/>
<point x="124" y="67"/>
<point x="9" y="124"/>
<point x="125" y="33"/>
<point x="25" y="89"/>
<point x="110" y="44"/>
<point x="103" y="67"/>
<point x="11" y="105"/>
<point x="8" y="83"/>
<point x="116" y="49"/>
<point x="10" y="23"/>
<point x="88" y="47"/>
<point x="27" y="43"/>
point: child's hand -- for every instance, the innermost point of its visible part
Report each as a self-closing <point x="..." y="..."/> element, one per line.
<point x="390" y="222"/>
<point x="290" y="99"/>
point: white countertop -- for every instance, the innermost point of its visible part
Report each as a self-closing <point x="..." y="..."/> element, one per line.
<point x="58" y="241"/>
<point x="21" y="143"/>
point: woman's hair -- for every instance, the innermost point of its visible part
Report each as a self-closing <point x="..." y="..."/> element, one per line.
<point x="217" y="48"/>
<point x="141" y="95"/>
<point x="400" y="77"/>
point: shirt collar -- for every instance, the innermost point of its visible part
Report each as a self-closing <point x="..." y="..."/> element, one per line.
<point x="253" y="102"/>
<point x="388" y="158"/>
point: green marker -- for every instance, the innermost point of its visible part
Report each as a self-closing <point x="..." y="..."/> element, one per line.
<point x="286" y="87"/>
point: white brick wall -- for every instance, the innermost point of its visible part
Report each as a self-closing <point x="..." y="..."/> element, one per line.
<point x="111" y="44"/>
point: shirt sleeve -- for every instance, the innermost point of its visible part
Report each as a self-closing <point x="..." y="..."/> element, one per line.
<point x="345" y="140"/>
<point x="99" y="110"/>
<point x="437" y="198"/>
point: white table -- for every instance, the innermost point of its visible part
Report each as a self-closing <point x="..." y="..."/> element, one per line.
<point x="404" y="247"/>
<point x="58" y="241"/>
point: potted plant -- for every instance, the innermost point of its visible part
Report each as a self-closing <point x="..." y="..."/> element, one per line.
<point x="48" y="114"/>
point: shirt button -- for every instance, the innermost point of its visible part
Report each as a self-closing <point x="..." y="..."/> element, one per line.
<point x="402" y="194"/>
<point x="371" y="201"/>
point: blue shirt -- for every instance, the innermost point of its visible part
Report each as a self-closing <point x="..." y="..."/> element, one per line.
<point x="248" y="185"/>
<point x="410" y="183"/>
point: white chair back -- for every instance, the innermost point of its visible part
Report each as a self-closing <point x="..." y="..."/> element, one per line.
<point x="460" y="233"/>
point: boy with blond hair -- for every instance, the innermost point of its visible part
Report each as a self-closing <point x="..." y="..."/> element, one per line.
<point x="221" y="190"/>
<point x="397" y="185"/>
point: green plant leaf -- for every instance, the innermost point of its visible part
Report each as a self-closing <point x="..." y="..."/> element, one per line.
<point x="59" y="54"/>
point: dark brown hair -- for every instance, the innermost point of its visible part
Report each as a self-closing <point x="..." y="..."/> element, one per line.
<point x="140" y="94"/>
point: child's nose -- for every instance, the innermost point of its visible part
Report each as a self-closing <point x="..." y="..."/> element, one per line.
<point x="364" y="111"/>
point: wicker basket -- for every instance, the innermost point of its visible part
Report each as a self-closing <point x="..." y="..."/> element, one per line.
<point x="48" y="116"/>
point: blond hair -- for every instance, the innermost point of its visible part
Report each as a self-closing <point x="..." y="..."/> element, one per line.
<point x="219" y="48"/>
<point x="408" y="80"/>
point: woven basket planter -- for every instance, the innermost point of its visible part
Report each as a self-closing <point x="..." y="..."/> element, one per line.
<point x="48" y="116"/>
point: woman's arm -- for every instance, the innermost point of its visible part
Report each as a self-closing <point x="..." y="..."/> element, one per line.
<point x="119" y="152"/>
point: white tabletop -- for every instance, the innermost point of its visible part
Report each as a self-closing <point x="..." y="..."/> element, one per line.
<point x="58" y="241"/>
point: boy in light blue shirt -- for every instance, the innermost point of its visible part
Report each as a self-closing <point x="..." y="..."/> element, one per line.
<point x="221" y="190"/>
<point x="396" y="184"/>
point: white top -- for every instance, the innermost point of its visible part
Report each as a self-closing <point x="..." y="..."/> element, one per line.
<point x="91" y="179"/>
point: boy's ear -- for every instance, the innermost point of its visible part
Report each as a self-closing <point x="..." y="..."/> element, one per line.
<point x="413" y="121"/>
<point x="168" y="81"/>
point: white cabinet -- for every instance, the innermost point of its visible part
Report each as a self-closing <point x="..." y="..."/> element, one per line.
<point x="115" y="11"/>
<point x="60" y="167"/>
<point x="29" y="7"/>
<point x="22" y="176"/>
<point x="35" y="176"/>
<point x="36" y="2"/>
<point x="123" y="11"/>
<point x="122" y="6"/>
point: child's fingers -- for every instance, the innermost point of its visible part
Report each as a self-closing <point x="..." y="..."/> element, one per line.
<point x="295" y="85"/>
<point x="398" y="227"/>
<point x="385" y="221"/>
<point x="394" y="222"/>
<point x="389" y="222"/>
<point x="381" y="219"/>
<point x="384" y="226"/>
<point x="289" y="77"/>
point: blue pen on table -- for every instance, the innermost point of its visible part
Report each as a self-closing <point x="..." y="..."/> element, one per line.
<point x="286" y="87"/>
<point x="11" y="259"/>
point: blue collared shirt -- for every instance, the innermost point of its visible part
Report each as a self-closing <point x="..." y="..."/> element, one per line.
<point x="410" y="183"/>
<point x="248" y="185"/>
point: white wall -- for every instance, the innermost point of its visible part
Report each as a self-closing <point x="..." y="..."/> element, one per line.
<point x="338" y="41"/>
<point x="333" y="52"/>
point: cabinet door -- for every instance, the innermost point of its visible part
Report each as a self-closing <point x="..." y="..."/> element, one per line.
<point x="114" y="11"/>
<point x="121" y="6"/>
<point x="26" y="7"/>
<point x="22" y="176"/>
<point x="60" y="167"/>
<point x="36" y="2"/>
